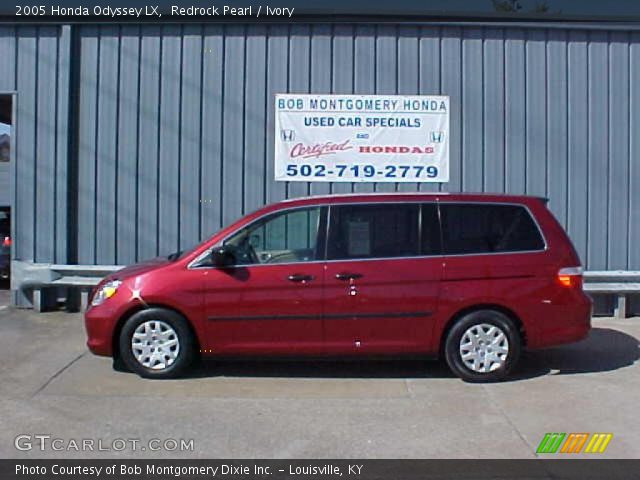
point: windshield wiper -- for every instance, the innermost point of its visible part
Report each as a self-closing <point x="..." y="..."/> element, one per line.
<point x="174" y="256"/>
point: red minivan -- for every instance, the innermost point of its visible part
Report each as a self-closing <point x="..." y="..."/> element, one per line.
<point x="472" y="278"/>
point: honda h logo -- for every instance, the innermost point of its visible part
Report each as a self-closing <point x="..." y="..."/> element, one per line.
<point x="437" y="136"/>
<point x="287" y="135"/>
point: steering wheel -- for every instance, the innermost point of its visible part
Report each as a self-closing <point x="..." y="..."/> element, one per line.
<point x="245" y="253"/>
<point x="280" y="257"/>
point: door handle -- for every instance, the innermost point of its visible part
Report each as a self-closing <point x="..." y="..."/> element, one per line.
<point x="348" y="276"/>
<point x="296" y="277"/>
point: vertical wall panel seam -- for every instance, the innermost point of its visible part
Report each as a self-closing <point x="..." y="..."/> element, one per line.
<point x="243" y="128"/>
<point x="419" y="34"/>
<point x="73" y="144"/>
<point x="418" y="38"/>
<point x="397" y="66"/>
<point x="609" y="152"/>
<point x="309" y="79"/>
<point x="483" y="163"/>
<point x="376" y="36"/>
<point x="439" y="31"/>
<point x="526" y="110"/>
<point x="15" y="206"/>
<point x="353" y="77"/>
<point x="462" y="80"/>
<point x="95" y="147"/>
<point x="201" y="130"/>
<point x="158" y="139"/>
<point x="504" y="110"/>
<point x="223" y="32"/>
<point x="332" y="73"/>
<point x="180" y="112"/>
<point x="265" y="154"/>
<point x="629" y="150"/>
<point x="117" y="142"/>
<point x="547" y="183"/>
<point x="608" y="190"/>
<point x="397" y="53"/>
<point x="567" y="210"/>
<point x="136" y="215"/>
<point x="288" y="184"/>
<point x="15" y="59"/>
<point x="56" y="128"/>
<point x="36" y="132"/>
<point x="588" y="142"/>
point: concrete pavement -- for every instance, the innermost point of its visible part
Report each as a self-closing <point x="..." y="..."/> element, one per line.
<point x="50" y="384"/>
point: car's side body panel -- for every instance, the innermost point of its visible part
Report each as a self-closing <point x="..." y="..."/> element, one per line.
<point x="259" y="310"/>
<point x="396" y="305"/>
<point x="389" y="308"/>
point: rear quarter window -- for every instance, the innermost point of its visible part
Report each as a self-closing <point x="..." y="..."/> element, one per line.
<point x="478" y="228"/>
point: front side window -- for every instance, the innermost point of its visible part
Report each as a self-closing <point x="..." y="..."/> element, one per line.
<point x="477" y="228"/>
<point x="286" y="237"/>
<point x="373" y="231"/>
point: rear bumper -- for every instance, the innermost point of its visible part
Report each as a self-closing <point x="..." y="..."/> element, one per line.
<point x="563" y="323"/>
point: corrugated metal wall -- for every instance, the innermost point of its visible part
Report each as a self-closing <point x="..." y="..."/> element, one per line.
<point x="35" y="66"/>
<point x="176" y="125"/>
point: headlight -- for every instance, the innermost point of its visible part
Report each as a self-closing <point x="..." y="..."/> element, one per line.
<point x="106" y="291"/>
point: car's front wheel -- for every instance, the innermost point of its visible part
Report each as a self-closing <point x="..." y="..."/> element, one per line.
<point x="157" y="343"/>
<point x="483" y="346"/>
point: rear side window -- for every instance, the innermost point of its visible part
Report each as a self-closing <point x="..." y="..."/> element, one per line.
<point x="373" y="231"/>
<point x="477" y="228"/>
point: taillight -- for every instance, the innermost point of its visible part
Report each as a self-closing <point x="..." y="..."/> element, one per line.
<point x="570" y="277"/>
<point x="6" y="242"/>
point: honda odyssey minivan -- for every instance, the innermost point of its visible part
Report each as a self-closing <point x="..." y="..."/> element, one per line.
<point x="472" y="278"/>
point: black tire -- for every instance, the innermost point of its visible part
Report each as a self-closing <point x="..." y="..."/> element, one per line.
<point x="186" y="343"/>
<point x="453" y="355"/>
<point x="119" y="365"/>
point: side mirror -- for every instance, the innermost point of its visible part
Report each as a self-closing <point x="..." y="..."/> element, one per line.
<point x="222" y="257"/>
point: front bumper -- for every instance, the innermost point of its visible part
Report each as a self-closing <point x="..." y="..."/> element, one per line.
<point x="100" y="324"/>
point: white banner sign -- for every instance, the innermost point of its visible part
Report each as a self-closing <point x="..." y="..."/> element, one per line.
<point x="362" y="138"/>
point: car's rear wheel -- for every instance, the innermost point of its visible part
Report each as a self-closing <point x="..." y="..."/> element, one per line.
<point x="157" y="343"/>
<point x="483" y="346"/>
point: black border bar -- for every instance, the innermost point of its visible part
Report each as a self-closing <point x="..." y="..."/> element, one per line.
<point x="537" y="469"/>
<point x="397" y="11"/>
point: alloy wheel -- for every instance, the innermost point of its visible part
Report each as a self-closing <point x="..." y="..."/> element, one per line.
<point x="484" y="348"/>
<point x="155" y="344"/>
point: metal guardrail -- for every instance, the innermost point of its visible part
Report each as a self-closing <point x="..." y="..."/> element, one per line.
<point x="40" y="277"/>
<point x="620" y="283"/>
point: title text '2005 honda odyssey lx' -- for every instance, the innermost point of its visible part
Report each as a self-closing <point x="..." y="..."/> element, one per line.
<point x="473" y="278"/>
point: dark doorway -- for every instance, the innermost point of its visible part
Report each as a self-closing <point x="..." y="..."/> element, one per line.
<point x="6" y="107"/>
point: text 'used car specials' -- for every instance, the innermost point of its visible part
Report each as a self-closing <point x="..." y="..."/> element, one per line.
<point x="361" y="138"/>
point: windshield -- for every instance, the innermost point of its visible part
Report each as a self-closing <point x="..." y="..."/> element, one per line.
<point x="185" y="251"/>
